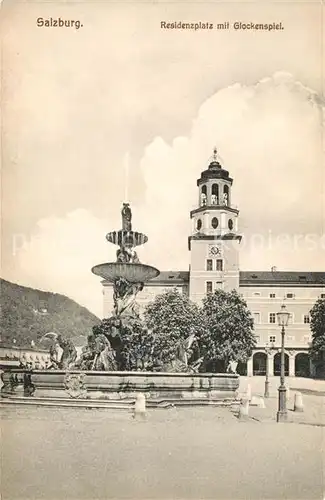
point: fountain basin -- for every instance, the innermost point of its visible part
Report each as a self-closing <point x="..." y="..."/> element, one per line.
<point x="132" y="272"/>
<point x="126" y="238"/>
<point x="89" y="385"/>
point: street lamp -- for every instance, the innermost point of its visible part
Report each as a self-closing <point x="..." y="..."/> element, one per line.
<point x="282" y="414"/>
<point x="268" y="351"/>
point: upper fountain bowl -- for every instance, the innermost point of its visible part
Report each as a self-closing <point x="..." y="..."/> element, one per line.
<point x="126" y="238"/>
<point x="133" y="272"/>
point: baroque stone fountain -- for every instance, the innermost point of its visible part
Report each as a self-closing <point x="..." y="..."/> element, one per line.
<point x="104" y="371"/>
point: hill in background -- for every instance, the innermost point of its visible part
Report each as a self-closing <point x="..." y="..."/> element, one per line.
<point x="27" y="314"/>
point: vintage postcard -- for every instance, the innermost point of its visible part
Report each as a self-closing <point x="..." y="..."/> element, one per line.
<point x="162" y="250"/>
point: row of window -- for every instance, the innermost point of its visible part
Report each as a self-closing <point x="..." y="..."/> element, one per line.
<point x="214" y="224"/>
<point x="215" y="197"/>
<point x="217" y="286"/>
<point x="273" y="320"/>
<point x="289" y="295"/>
<point x="289" y="338"/>
<point x="218" y="265"/>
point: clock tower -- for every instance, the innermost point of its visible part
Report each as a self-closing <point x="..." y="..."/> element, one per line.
<point x="214" y="242"/>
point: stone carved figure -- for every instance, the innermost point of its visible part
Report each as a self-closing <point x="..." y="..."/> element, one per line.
<point x="232" y="367"/>
<point x="69" y="354"/>
<point x="63" y="353"/>
<point x="203" y="199"/>
<point x="124" y="296"/>
<point x="127" y="254"/>
<point x="55" y="356"/>
<point x="180" y="361"/>
<point x="126" y="217"/>
<point x="86" y="359"/>
<point x="225" y="199"/>
<point x="122" y="255"/>
<point x="105" y="355"/>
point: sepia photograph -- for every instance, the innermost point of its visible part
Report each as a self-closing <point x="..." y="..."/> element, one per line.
<point x="162" y="327"/>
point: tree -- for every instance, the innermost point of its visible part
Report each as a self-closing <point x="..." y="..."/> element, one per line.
<point x="317" y="326"/>
<point x="172" y="318"/>
<point x="229" y="334"/>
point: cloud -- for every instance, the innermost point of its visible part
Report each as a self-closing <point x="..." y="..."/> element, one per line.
<point x="268" y="136"/>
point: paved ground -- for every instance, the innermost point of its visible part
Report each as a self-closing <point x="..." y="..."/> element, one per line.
<point x="203" y="453"/>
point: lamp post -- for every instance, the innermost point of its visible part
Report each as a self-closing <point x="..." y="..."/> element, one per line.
<point x="282" y="414"/>
<point x="267" y="383"/>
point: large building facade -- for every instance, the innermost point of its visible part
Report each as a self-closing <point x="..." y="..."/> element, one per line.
<point x="214" y="246"/>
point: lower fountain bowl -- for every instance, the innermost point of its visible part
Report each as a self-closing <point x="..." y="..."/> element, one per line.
<point x="134" y="273"/>
<point x="57" y="387"/>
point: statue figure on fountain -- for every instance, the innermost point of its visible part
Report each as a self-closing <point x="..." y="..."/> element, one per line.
<point x="126" y="217"/>
<point x="127" y="254"/>
<point x="63" y="353"/>
<point x="97" y="355"/>
<point x="181" y="359"/>
<point x="69" y="354"/>
<point x="124" y="295"/>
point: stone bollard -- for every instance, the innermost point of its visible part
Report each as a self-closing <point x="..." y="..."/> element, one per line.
<point x="249" y="392"/>
<point x="140" y="407"/>
<point x="243" y="410"/>
<point x="298" y="404"/>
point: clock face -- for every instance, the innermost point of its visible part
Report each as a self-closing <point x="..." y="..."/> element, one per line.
<point x="214" y="251"/>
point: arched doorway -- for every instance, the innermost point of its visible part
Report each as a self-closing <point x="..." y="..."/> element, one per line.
<point x="277" y="364"/>
<point x="302" y="366"/>
<point x="259" y="363"/>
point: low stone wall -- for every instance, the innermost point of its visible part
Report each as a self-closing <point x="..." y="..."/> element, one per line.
<point x="118" y="385"/>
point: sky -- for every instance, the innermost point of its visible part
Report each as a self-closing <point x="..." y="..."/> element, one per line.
<point x="76" y="102"/>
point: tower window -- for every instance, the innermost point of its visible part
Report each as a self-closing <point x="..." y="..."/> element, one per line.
<point x="219" y="265"/>
<point x="209" y="265"/>
<point x="226" y="195"/>
<point x="230" y="224"/>
<point x="272" y="339"/>
<point x="272" y="318"/>
<point x="306" y="318"/>
<point x="322" y="295"/>
<point x="215" y="194"/>
<point x="214" y="223"/>
<point x="203" y="197"/>
<point x="198" y="224"/>
<point x="209" y="286"/>
<point x="272" y="295"/>
<point x="290" y="295"/>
